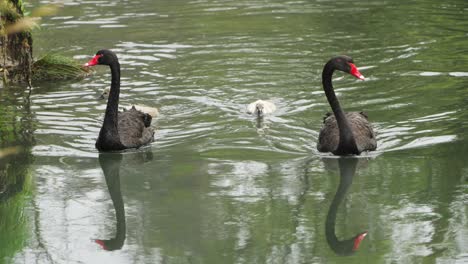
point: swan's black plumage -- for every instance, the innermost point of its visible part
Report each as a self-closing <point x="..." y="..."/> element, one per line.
<point x="343" y="133"/>
<point x="120" y="130"/>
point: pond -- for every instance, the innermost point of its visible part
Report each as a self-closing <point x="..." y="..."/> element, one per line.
<point x="217" y="185"/>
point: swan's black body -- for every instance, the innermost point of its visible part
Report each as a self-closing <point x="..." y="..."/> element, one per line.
<point x="347" y="246"/>
<point x="120" y="130"/>
<point x="343" y="133"/>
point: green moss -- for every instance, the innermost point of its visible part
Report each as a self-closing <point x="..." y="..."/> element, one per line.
<point x="9" y="11"/>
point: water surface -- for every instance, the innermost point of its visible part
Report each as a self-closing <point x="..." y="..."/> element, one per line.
<point x="217" y="186"/>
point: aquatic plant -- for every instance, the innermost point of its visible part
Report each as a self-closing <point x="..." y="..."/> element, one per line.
<point x="57" y="67"/>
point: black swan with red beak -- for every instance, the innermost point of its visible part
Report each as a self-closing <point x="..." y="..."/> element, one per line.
<point x="343" y="133"/>
<point x="120" y="130"/>
<point x="348" y="246"/>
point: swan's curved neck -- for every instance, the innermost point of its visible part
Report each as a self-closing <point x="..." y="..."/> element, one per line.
<point x="347" y="143"/>
<point x="110" y="117"/>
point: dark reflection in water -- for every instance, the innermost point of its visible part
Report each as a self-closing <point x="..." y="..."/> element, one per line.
<point x="259" y="122"/>
<point x="110" y="164"/>
<point x="16" y="136"/>
<point x="16" y="141"/>
<point x="348" y="246"/>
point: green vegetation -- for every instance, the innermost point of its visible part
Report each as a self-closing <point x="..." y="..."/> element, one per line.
<point x="13" y="20"/>
<point x="16" y="47"/>
<point x="57" y="67"/>
<point x="8" y="9"/>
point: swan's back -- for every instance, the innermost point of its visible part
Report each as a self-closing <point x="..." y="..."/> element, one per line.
<point x="134" y="128"/>
<point x="363" y="133"/>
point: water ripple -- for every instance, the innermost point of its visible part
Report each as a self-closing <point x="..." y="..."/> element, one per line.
<point x="201" y="82"/>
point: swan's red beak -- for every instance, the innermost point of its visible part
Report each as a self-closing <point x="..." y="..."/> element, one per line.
<point x="93" y="61"/>
<point x="101" y="243"/>
<point x="354" y="71"/>
<point x="358" y="240"/>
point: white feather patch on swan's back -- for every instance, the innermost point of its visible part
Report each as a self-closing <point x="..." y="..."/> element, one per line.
<point x="152" y="111"/>
<point x="268" y="107"/>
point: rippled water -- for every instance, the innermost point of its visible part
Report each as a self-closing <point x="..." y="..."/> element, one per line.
<point x="219" y="187"/>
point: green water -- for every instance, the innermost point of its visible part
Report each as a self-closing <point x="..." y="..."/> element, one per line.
<point x="217" y="186"/>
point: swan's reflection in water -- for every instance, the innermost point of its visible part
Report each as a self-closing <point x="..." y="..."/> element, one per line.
<point x="348" y="246"/>
<point x="110" y="164"/>
<point x="259" y="122"/>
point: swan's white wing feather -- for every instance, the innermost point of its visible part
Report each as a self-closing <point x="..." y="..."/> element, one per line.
<point x="251" y="107"/>
<point x="268" y="107"/>
<point x="152" y="111"/>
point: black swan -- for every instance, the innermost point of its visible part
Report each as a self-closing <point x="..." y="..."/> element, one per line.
<point x="348" y="246"/>
<point x="343" y="133"/>
<point x="110" y="164"/>
<point x="120" y="130"/>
